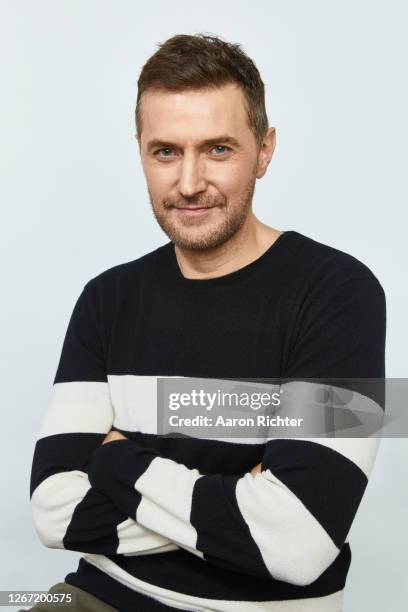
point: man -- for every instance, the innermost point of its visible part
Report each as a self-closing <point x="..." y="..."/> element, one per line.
<point x="190" y="523"/>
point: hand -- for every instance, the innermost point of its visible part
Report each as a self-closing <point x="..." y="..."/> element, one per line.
<point x="256" y="469"/>
<point x="113" y="435"/>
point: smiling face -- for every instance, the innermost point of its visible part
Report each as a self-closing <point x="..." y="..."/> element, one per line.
<point x="198" y="151"/>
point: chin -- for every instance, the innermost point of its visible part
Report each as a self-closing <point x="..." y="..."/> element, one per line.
<point x="199" y="243"/>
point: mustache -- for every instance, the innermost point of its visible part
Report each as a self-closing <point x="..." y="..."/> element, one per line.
<point x="197" y="202"/>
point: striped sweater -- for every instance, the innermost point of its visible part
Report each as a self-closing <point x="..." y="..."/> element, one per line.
<point x="167" y="522"/>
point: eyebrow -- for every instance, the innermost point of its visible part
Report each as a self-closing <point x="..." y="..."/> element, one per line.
<point x="155" y="143"/>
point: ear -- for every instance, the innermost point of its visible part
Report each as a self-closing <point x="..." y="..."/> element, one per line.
<point x="266" y="151"/>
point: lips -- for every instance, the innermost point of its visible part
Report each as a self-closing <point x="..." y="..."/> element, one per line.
<point x="197" y="211"/>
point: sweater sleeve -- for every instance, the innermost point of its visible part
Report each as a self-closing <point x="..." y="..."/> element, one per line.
<point x="290" y="520"/>
<point x="67" y="511"/>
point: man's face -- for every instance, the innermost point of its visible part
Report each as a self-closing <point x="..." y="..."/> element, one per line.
<point x="184" y="170"/>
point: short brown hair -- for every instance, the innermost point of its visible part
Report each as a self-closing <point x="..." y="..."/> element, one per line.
<point x="204" y="61"/>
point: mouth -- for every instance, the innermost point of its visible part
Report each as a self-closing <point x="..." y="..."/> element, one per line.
<point x="193" y="211"/>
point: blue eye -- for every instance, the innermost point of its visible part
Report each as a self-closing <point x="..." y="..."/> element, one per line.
<point x="220" y="147"/>
<point x="164" y="149"/>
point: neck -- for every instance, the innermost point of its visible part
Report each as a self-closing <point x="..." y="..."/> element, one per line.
<point x="249" y="243"/>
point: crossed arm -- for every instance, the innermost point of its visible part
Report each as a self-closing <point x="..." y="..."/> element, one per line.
<point x="116" y="435"/>
<point x="287" y="519"/>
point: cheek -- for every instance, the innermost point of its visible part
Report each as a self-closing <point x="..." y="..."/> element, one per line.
<point x="159" y="180"/>
<point x="231" y="179"/>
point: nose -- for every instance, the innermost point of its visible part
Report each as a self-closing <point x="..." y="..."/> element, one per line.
<point x="191" y="179"/>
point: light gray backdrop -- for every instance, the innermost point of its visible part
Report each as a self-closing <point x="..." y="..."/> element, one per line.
<point x="74" y="203"/>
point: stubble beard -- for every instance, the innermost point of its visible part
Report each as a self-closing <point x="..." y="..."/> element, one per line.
<point x="233" y="219"/>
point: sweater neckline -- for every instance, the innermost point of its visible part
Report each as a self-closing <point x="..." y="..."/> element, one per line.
<point x="230" y="278"/>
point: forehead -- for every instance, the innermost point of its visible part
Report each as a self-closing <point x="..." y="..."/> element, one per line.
<point x="194" y="113"/>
